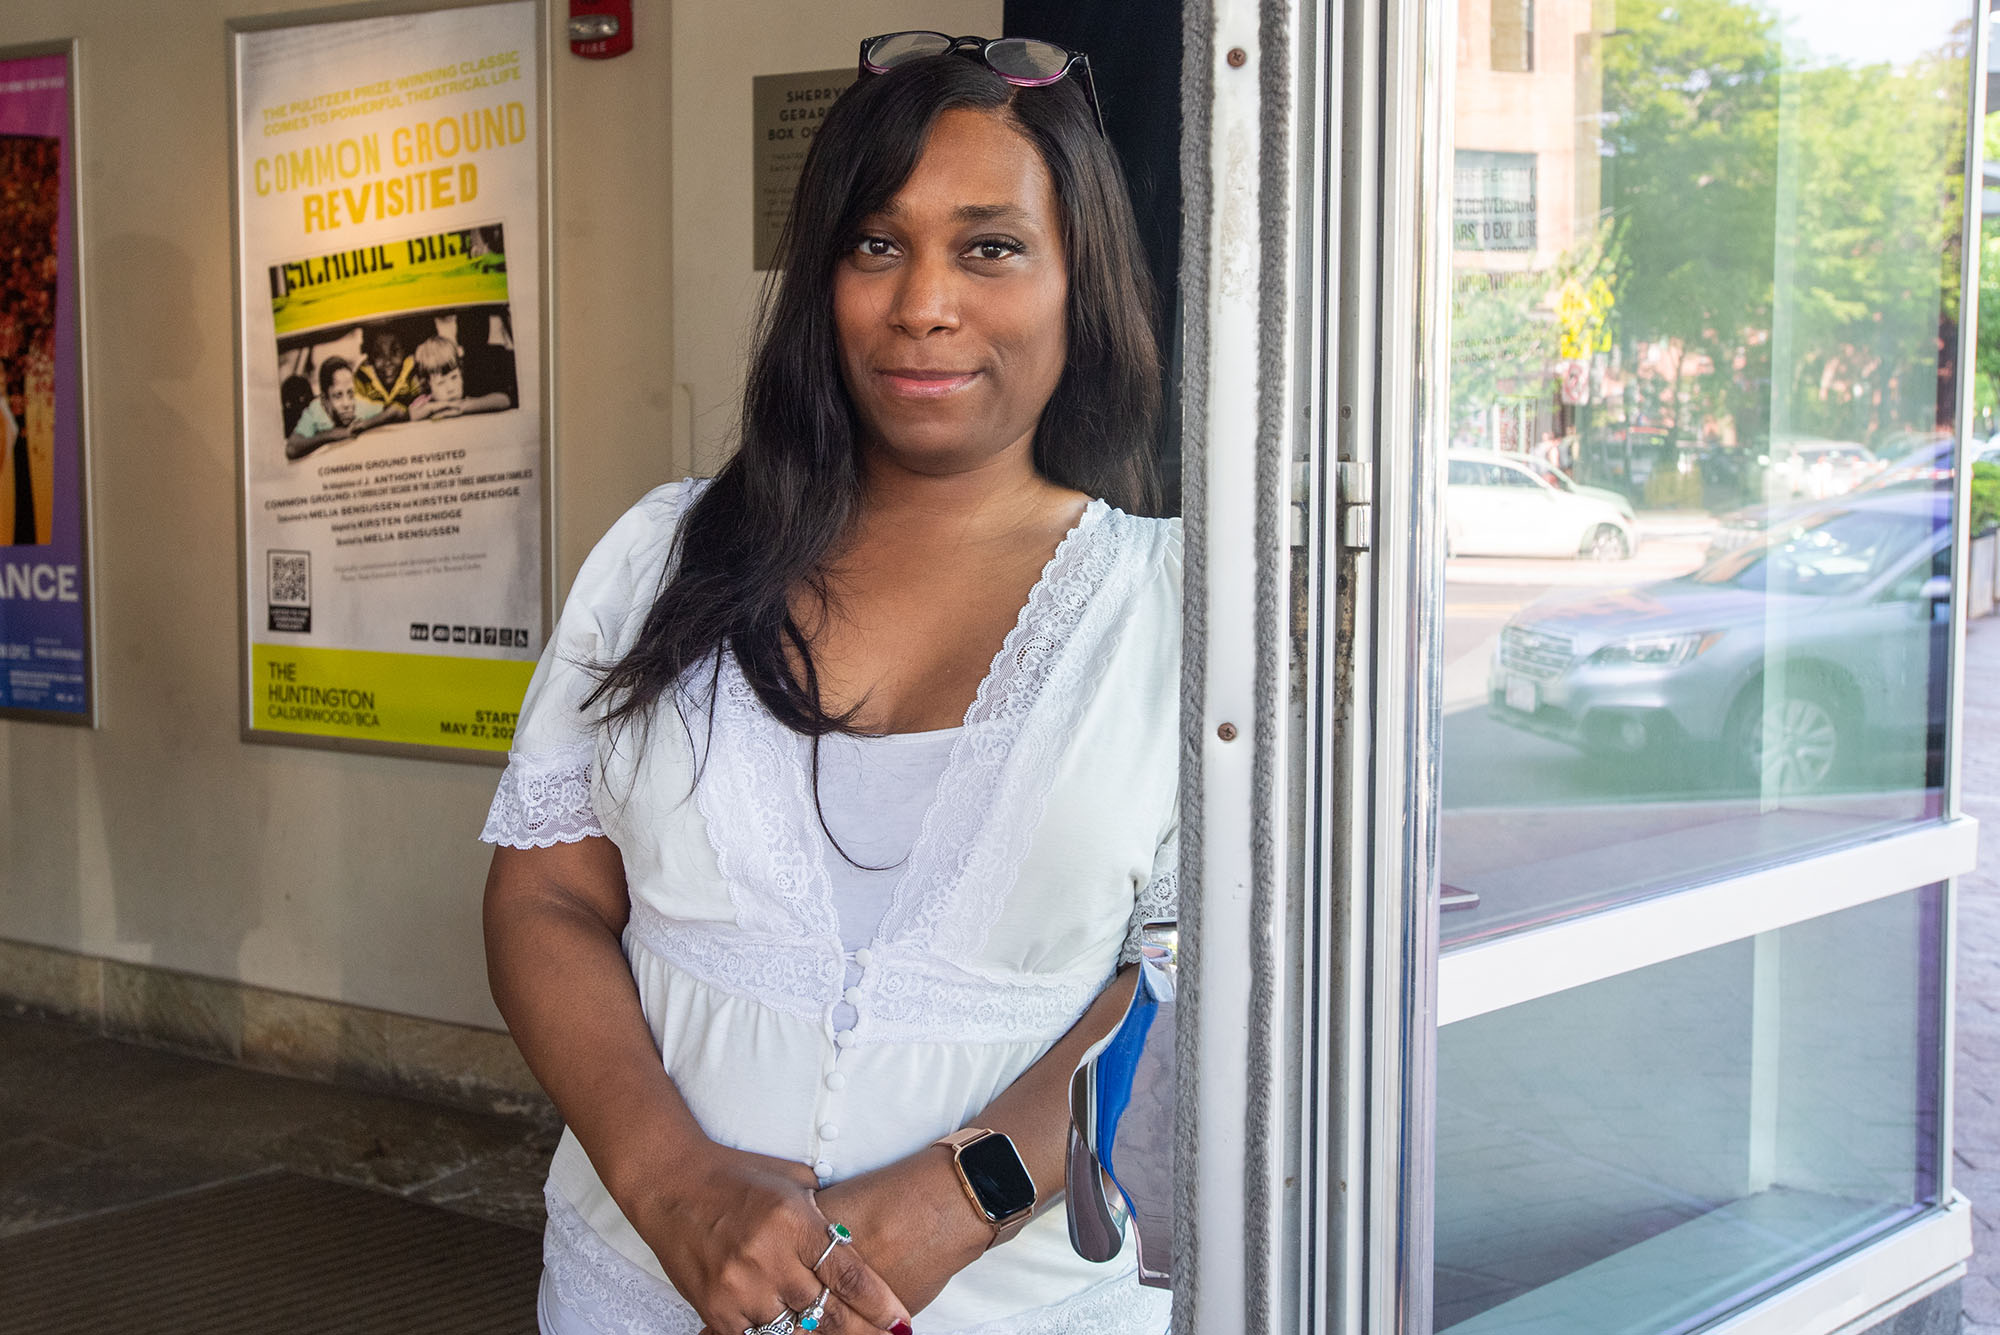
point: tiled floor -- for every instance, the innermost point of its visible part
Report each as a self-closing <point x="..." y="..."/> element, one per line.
<point x="88" y="1124"/>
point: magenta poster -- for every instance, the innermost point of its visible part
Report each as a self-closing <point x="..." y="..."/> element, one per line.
<point x="45" y="670"/>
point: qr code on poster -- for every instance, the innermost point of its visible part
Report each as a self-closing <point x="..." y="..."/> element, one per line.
<point x="291" y="579"/>
<point x="290" y="592"/>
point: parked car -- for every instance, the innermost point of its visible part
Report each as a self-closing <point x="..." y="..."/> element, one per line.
<point x="1628" y="455"/>
<point x="1851" y="601"/>
<point x="1752" y="525"/>
<point x="1496" y="505"/>
<point x="1928" y="466"/>
<point x="1809" y="468"/>
<point x="1562" y="481"/>
<point x="1933" y="461"/>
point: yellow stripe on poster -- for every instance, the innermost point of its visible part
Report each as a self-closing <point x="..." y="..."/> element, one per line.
<point x="422" y="273"/>
<point x="422" y="699"/>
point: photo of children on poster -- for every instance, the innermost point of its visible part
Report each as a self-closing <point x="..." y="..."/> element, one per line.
<point x="346" y="378"/>
<point x="388" y="183"/>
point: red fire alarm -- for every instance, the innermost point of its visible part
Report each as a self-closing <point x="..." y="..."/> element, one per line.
<point x="600" y="29"/>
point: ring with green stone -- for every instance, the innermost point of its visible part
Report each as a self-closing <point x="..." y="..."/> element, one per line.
<point x="837" y="1236"/>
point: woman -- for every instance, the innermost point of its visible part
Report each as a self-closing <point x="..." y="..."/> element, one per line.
<point x="867" y="753"/>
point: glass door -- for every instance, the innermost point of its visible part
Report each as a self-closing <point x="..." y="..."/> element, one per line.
<point x="1574" y="468"/>
<point x="1628" y="464"/>
<point x="1698" y="446"/>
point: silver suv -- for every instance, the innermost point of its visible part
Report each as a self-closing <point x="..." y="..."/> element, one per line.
<point x="1850" y="601"/>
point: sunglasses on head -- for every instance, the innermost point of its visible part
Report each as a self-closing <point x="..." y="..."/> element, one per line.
<point x="1025" y="62"/>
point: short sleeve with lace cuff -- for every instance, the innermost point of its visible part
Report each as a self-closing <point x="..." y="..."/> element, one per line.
<point x="545" y="793"/>
<point x="1159" y="899"/>
<point x="543" y="799"/>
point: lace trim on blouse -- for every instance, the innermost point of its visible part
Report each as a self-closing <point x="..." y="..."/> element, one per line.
<point x="908" y="997"/>
<point x="603" y="1288"/>
<point x="917" y="998"/>
<point x="1160" y="899"/>
<point x="598" y="1284"/>
<point x="544" y="799"/>
<point x="781" y="972"/>
<point x="990" y="800"/>
<point x="751" y="793"/>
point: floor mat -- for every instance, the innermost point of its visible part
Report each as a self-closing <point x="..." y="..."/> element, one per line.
<point x="272" y="1253"/>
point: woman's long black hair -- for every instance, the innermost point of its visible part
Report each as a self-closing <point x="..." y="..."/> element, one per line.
<point x="779" y="507"/>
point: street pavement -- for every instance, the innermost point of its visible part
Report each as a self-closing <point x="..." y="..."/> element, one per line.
<point x="1976" y="1106"/>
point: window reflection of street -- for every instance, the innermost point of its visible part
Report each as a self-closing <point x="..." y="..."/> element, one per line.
<point x="1597" y="714"/>
<point x="1706" y="279"/>
<point x="1641" y="392"/>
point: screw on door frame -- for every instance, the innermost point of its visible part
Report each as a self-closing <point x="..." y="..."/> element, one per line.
<point x="1227" y="732"/>
<point x="1238" y="57"/>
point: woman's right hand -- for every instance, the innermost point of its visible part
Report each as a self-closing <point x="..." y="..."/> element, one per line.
<point x="738" y="1236"/>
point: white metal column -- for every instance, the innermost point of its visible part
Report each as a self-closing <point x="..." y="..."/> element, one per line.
<point x="1238" y="1108"/>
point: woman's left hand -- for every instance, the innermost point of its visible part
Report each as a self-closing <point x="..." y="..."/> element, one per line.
<point x="912" y="1221"/>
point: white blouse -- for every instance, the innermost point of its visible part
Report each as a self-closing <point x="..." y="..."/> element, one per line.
<point x="1050" y="838"/>
<point x="874" y="793"/>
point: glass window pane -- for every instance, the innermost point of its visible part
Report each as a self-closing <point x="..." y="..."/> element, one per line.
<point x="1642" y="1153"/>
<point x="1706" y="286"/>
<point x="1512" y="40"/>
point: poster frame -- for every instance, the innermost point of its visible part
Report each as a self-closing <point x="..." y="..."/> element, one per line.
<point x="70" y="48"/>
<point x="235" y="31"/>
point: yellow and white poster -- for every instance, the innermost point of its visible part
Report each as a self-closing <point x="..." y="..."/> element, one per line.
<point x="388" y="183"/>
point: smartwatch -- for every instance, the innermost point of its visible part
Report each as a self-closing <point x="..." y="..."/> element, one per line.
<point x="994" y="1179"/>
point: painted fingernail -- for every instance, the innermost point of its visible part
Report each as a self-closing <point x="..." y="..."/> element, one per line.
<point x="901" y="1328"/>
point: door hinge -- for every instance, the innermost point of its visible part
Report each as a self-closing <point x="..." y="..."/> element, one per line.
<point x="1354" y="486"/>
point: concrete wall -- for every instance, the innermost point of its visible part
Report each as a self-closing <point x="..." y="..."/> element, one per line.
<point x="161" y="838"/>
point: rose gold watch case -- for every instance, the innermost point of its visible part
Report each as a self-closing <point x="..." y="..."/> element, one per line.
<point x="1006" y="1226"/>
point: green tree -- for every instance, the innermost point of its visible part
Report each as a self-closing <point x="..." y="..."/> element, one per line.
<point x="1986" y="382"/>
<point x="1765" y="202"/>
<point x="1511" y="332"/>
<point x="1689" y="143"/>
<point x="1876" y="160"/>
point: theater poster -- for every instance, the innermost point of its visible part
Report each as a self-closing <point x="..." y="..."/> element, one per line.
<point x="45" y="647"/>
<point x="390" y="238"/>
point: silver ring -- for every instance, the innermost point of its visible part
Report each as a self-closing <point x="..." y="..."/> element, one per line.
<point x="810" y="1318"/>
<point x="781" y="1324"/>
<point x="837" y="1236"/>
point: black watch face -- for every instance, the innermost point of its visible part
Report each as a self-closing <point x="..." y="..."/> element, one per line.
<point x="997" y="1176"/>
